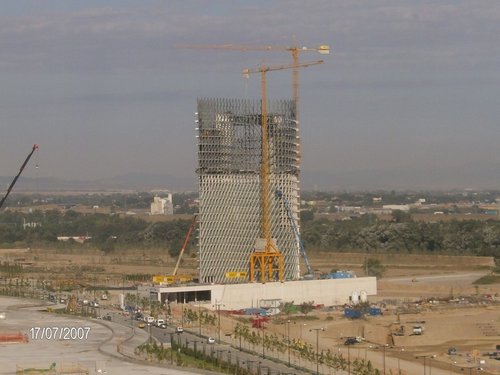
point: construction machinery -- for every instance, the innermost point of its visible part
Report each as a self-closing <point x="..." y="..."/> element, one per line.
<point x="294" y="50"/>
<point x="266" y="259"/>
<point x="35" y="147"/>
<point x="309" y="272"/>
<point x="174" y="278"/>
<point x="184" y="245"/>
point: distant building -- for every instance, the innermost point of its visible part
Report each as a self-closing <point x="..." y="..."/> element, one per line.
<point x="396" y="207"/>
<point x="162" y="206"/>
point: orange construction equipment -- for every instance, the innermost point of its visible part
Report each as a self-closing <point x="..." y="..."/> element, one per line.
<point x="267" y="259"/>
<point x="174" y="278"/>
<point x="186" y="241"/>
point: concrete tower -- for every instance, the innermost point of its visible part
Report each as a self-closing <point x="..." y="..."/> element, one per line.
<point x="229" y="164"/>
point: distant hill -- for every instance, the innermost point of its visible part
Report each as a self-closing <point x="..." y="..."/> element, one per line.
<point x="130" y="181"/>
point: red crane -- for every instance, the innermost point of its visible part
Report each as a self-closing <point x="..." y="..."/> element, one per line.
<point x="186" y="242"/>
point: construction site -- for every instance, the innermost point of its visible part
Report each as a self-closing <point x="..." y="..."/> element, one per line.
<point x="249" y="204"/>
<point x="248" y="218"/>
<point x="251" y="261"/>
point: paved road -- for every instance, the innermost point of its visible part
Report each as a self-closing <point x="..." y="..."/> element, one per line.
<point x="96" y="352"/>
<point x="220" y="351"/>
<point x="257" y="364"/>
<point x="429" y="279"/>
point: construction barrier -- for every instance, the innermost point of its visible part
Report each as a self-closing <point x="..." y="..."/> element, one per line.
<point x="14" y="337"/>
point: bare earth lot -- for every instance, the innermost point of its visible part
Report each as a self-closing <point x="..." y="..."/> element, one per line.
<point x="410" y="292"/>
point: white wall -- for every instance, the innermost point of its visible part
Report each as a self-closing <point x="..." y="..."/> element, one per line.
<point x="237" y="296"/>
<point x="328" y="292"/>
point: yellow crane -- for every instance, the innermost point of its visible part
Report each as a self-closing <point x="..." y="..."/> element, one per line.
<point x="294" y="50"/>
<point x="267" y="258"/>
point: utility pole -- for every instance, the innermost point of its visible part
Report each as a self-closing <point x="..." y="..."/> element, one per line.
<point x="318" y="330"/>
<point x="217" y="306"/>
<point x="262" y="326"/>
<point x="288" y="341"/>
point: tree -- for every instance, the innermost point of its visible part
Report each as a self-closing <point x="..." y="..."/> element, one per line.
<point x="374" y="267"/>
<point x="307" y="307"/>
<point x="399" y="216"/>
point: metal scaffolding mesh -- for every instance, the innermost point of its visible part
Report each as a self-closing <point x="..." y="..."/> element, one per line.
<point x="229" y="165"/>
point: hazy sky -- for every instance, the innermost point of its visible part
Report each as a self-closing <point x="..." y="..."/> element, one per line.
<point x="410" y="96"/>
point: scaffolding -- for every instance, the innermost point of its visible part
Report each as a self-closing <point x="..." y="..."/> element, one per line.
<point x="229" y="167"/>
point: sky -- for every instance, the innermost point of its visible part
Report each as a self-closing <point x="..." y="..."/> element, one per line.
<point x="408" y="98"/>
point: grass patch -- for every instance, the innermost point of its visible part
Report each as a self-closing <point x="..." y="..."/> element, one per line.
<point x="488" y="279"/>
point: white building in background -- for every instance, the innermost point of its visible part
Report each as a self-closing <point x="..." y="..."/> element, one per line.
<point x="162" y="206"/>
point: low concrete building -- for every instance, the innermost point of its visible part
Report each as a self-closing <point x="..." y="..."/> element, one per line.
<point x="329" y="292"/>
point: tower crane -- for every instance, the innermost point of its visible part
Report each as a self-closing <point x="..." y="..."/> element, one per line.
<point x="267" y="259"/>
<point x="294" y="50"/>
<point x="35" y="147"/>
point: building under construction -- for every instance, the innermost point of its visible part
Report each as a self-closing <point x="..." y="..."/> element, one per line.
<point x="229" y="167"/>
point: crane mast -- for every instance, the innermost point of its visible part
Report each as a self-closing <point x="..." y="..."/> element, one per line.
<point x="267" y="259"/>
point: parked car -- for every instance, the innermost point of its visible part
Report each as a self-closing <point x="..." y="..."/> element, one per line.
<point x="350" y="341"/>
<point x="141" y="325"/>
<point x="179" y="329"/>
<point x="211" y="340"/>
<point x="159" y="322"/>
<point x="162" y="326"/>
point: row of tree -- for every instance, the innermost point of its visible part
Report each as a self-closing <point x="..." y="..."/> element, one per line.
<point x="369" y="234"/>
<point x="366" y="233"/>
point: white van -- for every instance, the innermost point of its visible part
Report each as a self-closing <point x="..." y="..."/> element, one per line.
<point x="159" y="322"/>
<point x="149" y="319"/>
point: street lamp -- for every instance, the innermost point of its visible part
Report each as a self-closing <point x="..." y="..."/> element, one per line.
<point x="288" y="340"/>
<point x="182" y="311"/>
<point x="399" y="363"/>
<point x="303" y="324"/>
<point x="219" y="357"/>
<point x="199" y="316"/>
<point x="317" y="346"/>
<point x="171" y="348"/>
<point x="349" y="359"/>
<point x="385" y="346"/>
<point x="217" y="306"/>
<point x="249" y="364"/>
<point x="424" y="357"/>
<point x="263" y="341"/>
<point x="366" y="348"/>
<point x="194" y="347"/>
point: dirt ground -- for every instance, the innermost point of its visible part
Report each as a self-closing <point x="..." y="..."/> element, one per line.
<point x="471" y="324"/>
